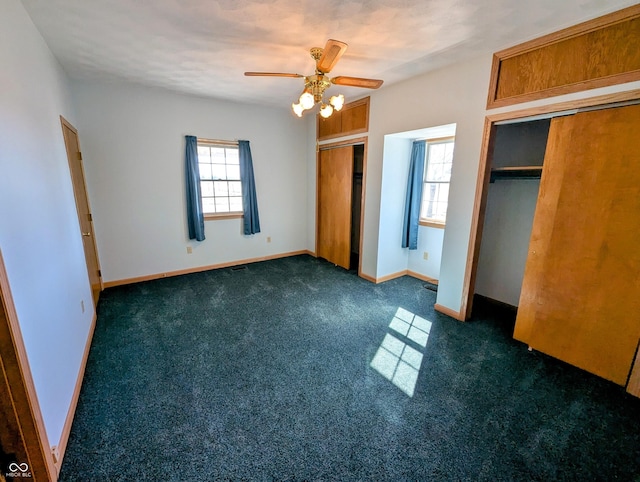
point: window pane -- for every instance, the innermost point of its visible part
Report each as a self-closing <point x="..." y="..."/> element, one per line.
<point x="217" y="155"/>
<point x="204" y="154"/>
<point x="206" y="188"/>
<point x="208" y="205"/>
<point x="436" y="152"/>
<point x="233" y="172"/>
<point x="232" y="156"/>
<point x="429" y="195"/>
<point x="447" y="172"/>
<point x="435" y="171"/>
<point x="439" y="211"/>
<point x="221" y="189"/>
<point x="443" y="193"/>
<point x="219" y="171"/>
<point x="434" y="201"/>
<point x="205" y="171"/>
<point x="439" y="161"/>
<point x="222" y="204"/>
<point x="235" y="188"/>
<point x="235" y="203"/>
<point x="448" y="156"/>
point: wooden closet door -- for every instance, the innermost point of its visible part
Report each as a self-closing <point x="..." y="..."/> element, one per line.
<point x="580" y="296"/>
<point x="335" y="178"/>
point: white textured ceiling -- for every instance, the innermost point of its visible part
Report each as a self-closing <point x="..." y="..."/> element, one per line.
<point x="203" y="47"/>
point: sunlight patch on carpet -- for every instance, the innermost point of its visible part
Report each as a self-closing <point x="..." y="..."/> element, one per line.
<point x="395" y="359"/>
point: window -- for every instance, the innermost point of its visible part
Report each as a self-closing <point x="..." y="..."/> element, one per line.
<point x="435" y="189"/>
<point x="220" y="179"/>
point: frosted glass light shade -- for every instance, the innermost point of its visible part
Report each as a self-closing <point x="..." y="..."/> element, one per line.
<point x="326" y="110"/>
<point x="337" y="101"/>
<point x="297" y="109"/>
<point x="306" y="100"/>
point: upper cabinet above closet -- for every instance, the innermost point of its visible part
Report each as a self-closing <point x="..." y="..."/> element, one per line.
<point x="353" y="118"/>
<point x="597" y="53"/>
<point x="518" y="149"/>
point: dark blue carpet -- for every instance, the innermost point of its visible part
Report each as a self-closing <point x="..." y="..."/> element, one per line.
<point x="295" y="370"/>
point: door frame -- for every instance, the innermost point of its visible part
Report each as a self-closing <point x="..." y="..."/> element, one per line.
<point x="16" y="374"/>
<point x="484" y="174"/>
<point x="65" y="123"/>
<point x="332" y="145"/>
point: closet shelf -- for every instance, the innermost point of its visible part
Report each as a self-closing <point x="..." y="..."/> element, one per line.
<point x="519" y="172"/>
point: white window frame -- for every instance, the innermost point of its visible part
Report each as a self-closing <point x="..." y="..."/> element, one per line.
<point x="210" y="194"/>
<point x="430" y="221"/>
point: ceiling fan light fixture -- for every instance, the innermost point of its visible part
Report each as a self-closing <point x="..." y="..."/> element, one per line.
<point x="297" y="109"/>
<point x="306" y="100"/>
<point x="337" y="101"/>
<point x="316" y="84"/>
<point x="326" y="110"/>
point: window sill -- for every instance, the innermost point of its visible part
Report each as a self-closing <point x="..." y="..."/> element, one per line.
<point x="213" y="217"/>
<point x="432" y="224"/>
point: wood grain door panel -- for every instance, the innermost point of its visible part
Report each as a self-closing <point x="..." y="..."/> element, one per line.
<point x="82" y="205"/>
<point x="335" y="179"/>
<point x="580" y="296"/>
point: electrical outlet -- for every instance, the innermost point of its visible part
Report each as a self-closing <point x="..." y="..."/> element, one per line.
<point x="189" y="250"/>
<point x="425" y="255"/>
<point x="268" y="239"/>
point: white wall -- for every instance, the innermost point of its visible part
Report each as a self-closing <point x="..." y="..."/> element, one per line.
<point x="430" y="241"/>
<point x="395" y="171"/>
<point x="505" y="239"/>
<point x="133" y="145"/>
<point x="39" y="231"/>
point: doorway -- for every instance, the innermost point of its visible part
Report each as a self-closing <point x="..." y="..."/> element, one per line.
<point x="340" y="203"/>
<point x="356" y="205"/>
<point x="485" y="174"/>
<point x="85" y="218"/>
<point x="516" y="166"/>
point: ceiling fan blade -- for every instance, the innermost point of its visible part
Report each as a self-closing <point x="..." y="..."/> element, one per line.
<point x="330" y="55"/>
<point x="271" y="74"/>
<point x="357" y="82"/>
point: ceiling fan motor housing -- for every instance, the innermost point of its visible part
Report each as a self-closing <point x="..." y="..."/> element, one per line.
<point x="317" y="84"/>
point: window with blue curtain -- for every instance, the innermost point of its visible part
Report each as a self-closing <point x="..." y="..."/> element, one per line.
<point x="220" y="184"/>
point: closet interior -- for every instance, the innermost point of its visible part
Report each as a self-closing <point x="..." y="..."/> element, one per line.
<point x="559" y="239"/>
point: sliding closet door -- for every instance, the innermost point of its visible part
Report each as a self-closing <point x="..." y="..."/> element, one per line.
<point x="580" y="298"/>
<point x="335" y="178"/>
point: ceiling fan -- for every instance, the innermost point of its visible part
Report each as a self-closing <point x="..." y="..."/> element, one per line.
<point x="314" y="85"/>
